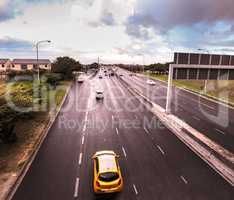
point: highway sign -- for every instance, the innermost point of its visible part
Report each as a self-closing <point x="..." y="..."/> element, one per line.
<point x="191" y="66"/>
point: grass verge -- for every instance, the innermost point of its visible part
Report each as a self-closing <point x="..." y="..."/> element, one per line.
<point x="29" y="131"/>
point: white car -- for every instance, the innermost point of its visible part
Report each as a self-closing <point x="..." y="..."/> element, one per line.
<point x="150" y="82"/>
<point x="80" y="80"/>
<point x="99" y="94"/>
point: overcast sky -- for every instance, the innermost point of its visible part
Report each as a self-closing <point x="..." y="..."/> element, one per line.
<point x="119" y="31"/>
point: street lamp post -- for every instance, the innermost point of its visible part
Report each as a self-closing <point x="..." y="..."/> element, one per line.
<point x="37" y="48"/>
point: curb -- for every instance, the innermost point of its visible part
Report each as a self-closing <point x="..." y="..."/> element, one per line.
<point x="183" y="131"/>
<point x="21" y="174"/>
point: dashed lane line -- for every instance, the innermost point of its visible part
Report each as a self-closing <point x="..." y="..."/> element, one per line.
<point x="80" y="158"/>
<point x="184" y="180"/>
<point x="135" y="189"/>
<point x="124" y="152"/>
<point x="82" y="141"/>
<point x="219" y="131"/>
<point x="117" y="131"/>
<point x="76" y="187"/>
<point x="160" y="149"/>
<point x="146" y="130"/>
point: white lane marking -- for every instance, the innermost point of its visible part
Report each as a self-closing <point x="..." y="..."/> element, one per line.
<point x="160" y="149"/>
<point x="196" y="118"/>
<point x="76" y="187"/>
<point x="82" y="141"/>
<point x="219" y="131"/>
<point x="204" y="104"/>
<point x="84" y="128"/>
<point x="112" y="117"/>
<point x="184" y="180"/>
<point x="124" y="152"/>
<point x="86" y="116"/>
<point x="117" y="131"/>
<point x="146" y="130"/>
<point x="80" y="158"/>
<point x="135" y="189"/>
<point x="197" y="101"/>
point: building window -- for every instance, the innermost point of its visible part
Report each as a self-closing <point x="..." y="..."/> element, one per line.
<point x="34" y="66"/>
<point x="24" y="67"/>
<point x="13" y="66"/>
<point x="3" y="66"/>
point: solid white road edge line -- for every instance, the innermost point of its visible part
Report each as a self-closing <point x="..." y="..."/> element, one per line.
<point x="82" y="141"/>
<point x="76" y="187"/>
<point x="135" y="189"/>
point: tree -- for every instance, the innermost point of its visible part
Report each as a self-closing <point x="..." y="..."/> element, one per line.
<point x="53" y="79"/>
<point x="65" y="66"/>
<point x="94" y="66"/>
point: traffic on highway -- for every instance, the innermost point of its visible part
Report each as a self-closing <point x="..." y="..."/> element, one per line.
<point x="106" y="143"/>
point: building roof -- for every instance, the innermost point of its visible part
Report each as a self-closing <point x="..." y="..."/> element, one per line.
<point x="31" y="61"/>
<point x="3" y="60"/>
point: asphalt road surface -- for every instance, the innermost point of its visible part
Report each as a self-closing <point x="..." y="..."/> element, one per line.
<point x="154" y="163"/>
<point x="210" y="118"/>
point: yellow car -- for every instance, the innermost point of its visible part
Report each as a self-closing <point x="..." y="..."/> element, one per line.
<point x="107" y="174"/>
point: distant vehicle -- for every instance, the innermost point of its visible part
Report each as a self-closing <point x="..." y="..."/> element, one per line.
<point x="150" y="82"/>
<point x="112" y="74"/>
<point x="99" y="94"/>
<point x="121" y="75"/>
<point x="131" y="74"/>
<point x="100" y="76"/>
<point x="107" y="174"/>
<point x="80" y="80"/>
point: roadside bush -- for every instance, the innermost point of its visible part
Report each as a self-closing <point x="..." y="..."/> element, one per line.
<point x="7" y="123"/>
<point x="53" y="78"/>
<point x="21" y="95"/>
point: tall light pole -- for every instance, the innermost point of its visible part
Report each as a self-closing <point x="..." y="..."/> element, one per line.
<point x="37" y="48"/>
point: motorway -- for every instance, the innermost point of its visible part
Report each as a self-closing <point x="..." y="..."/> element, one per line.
<point x="155" y="164"/>
<point x="210" y="118"/>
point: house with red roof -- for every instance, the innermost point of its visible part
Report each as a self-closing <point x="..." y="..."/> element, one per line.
<point x="30" y="64"/>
